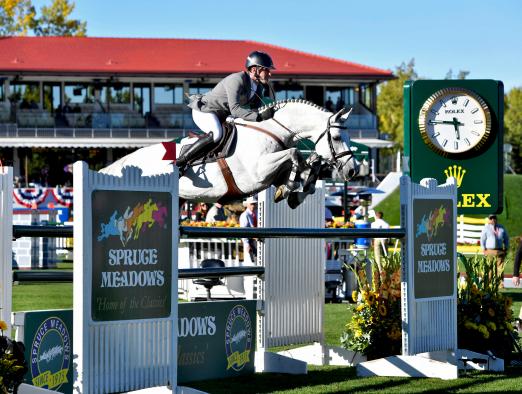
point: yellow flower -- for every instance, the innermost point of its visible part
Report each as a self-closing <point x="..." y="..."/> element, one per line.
<point x="360" y="307"/>
<point x="371" y="299"/>
<point x="3" y="325"/>
<point x="491" y="312"/>
<point x="355" y="294"/>
<point x="382" y="310"/>
<point x="491" y="326"/>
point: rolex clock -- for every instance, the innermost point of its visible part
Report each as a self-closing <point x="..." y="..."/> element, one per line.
<point x="455" y="122"/>
<point x="454" y="128"/>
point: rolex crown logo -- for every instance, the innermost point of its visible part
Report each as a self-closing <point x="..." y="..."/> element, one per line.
<point x="454" y="100"/>
<point x="456" y="172"/>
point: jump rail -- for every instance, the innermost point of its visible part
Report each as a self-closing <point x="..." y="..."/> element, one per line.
<point x="183" y="273"/>
<point x="243" y="232"/>
<point x="236" y="232"/>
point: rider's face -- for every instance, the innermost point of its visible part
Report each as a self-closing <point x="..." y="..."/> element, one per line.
<point x="264" y="74"/>
<point x="260" y="74"/>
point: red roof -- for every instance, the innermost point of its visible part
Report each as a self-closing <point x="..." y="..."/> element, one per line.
<point x="162" y="56"/>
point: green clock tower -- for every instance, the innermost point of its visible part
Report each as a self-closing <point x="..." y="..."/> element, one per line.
<point x="455" y="128"/>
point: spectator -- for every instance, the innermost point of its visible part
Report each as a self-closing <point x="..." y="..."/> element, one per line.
<point x="494" y="241"/>
<point x="516" y="266"/>
<point x="328" y="217"/>
<point x="249" y="219"/>
<point x="216" y="214"/>
<point x="380" y="245"/>
<point x="201" y="213"/>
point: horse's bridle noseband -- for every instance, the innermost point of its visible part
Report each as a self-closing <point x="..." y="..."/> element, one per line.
<point x="333" y="162"/>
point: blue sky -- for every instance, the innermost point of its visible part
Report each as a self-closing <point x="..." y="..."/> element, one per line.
<point x="483" y="37"/>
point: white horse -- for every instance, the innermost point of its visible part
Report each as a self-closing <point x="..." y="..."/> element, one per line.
<point x="264" y="155"/>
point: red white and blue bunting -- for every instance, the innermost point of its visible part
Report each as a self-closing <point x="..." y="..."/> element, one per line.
<point x="34" y="197"/>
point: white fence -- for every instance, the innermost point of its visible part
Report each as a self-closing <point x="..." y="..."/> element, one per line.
<point x="293" y="289"/>
<point x="6" y="236"/>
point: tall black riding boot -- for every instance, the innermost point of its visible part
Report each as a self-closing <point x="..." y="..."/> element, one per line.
<point x="195" y="151"/>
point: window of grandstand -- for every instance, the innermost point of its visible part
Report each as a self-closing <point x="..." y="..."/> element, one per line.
<point x="366" y="95"/>
<point x="78" y="93"/>
<point x="27" y="94"/>
<point x="200" y="88"/>
<point x="119" y="93"/>
<point x="287" y="91"/>
<point x="51" y="96"/>
<point x="168" y="94"/>
<point x="141" y="98"/>
<point x="2" y="92"/>
<point x="338" y="97"/>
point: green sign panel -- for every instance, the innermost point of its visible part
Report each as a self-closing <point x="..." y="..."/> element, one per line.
<point x="216" y="339"/>
<point x="455" y="128"/>
<point x="48" y="349"/>
<point x="131" y="255"/>
<point x="433" y="248"/>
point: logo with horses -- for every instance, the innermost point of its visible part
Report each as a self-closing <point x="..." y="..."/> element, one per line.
<point x="238" y="338"/>
<point x="50" y="354"/>
<point x="134" y="221"/>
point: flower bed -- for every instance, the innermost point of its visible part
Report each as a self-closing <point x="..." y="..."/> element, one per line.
<point x="484" y="315"/>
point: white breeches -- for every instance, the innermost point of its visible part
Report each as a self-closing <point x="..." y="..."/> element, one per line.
<point x="208" y="122"/>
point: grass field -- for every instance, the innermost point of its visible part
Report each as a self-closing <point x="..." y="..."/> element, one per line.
<point x="319" y="379"/>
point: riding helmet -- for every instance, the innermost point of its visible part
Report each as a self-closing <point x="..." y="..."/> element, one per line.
<point x="258" y="58"/>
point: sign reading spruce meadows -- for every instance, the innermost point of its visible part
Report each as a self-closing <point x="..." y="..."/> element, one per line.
<point x="48" y="349"/>
<point x="433" y="249"/>
<point x="132" y="254"/>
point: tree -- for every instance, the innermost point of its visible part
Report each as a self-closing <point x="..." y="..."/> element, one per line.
<point x="18" y="18"/>
<point x="513" y="124"/>
<point x="390" y="105"/>
<point x="55" y="21"/>
<point x="461" y="75"/>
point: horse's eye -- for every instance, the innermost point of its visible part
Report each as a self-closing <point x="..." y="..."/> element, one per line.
<point x="336" y="137"/>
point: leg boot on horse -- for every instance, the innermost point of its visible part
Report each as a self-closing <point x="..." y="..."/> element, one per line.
<point x="291" y="184"/>
<point x="194" y="152"/>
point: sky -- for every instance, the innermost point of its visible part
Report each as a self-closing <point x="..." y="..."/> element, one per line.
<point x="479" y="36"/>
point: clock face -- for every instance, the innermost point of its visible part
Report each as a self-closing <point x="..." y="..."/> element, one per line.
<point x="455" y="122"/>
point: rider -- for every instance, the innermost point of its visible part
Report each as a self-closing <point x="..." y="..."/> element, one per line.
<point x="238" y="95"/>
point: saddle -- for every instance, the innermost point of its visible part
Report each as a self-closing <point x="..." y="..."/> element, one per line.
<point x="223" y="149"/>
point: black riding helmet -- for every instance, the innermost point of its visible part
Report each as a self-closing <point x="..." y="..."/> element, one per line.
<point x="258" y="58"/>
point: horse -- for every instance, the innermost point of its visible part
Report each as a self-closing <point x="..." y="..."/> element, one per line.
<point x="264" y="154"/>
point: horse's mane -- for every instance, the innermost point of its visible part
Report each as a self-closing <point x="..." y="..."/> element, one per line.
<point x="278" y="104"/>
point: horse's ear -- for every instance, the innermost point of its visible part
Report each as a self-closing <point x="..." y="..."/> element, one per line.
<point x="335" y="118"/>
<point x="345" y="115"/>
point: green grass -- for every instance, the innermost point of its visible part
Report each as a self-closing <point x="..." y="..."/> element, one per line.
<point x="344" y="380"/>
<point x="40" y="296"/>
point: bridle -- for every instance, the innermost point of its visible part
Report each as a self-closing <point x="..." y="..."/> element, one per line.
<point x="334" y="162"/>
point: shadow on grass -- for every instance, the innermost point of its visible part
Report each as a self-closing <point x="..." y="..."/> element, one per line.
<point x="345" y="380"/>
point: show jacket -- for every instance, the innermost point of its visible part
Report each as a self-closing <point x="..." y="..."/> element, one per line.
<point x="231" y="96"/>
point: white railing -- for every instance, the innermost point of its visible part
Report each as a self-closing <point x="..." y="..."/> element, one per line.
<point x="469" y="230"/>
<point x="6" y="236"/>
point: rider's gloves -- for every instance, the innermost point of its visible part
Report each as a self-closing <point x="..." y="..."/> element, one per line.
<point x="266" y="114"/>
<point x="230" y="119"/>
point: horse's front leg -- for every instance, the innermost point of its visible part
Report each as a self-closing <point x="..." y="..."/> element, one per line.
<point x="270" y="166"/>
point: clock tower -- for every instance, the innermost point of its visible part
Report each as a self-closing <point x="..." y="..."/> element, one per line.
<point x="455" y="128"/>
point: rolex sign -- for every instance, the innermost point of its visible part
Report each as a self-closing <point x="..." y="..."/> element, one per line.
<point x="454" y="128"/>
